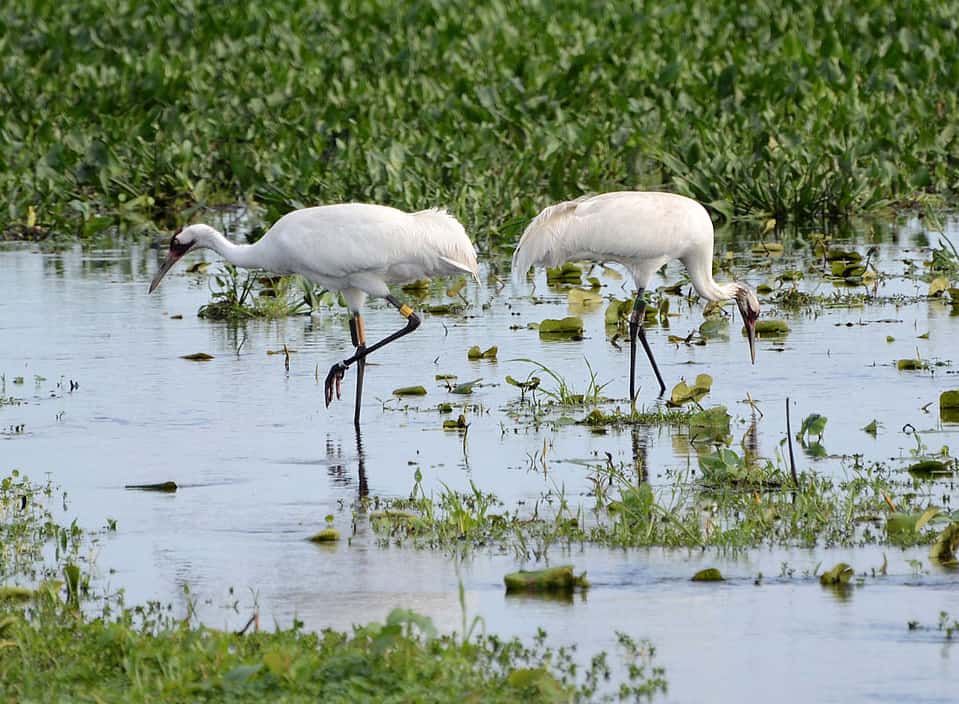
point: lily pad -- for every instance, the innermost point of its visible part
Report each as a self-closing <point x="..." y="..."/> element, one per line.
<point x="911" y="365"/>
<point x="568" y="273"/>
<point x="715" y="327"/>
<point x="840" y="574"/>
<point x="197" y="357"/>
<point x="770" y="328"/>
<point x="410" y="391"/>
<point x="327" y="535"/>
<point x="949" y="406"/>
<point x="683" y="393"/>
<point x="571" y="327"/>
<point x="710" y="424"/>
<point x="475" y="352"/>
<point x="583" y="297"/>
<point x="835" y="253"/>
<point x="551" y="579"/>
<point x="710" y="574"/>
<point x="458" y="424"/>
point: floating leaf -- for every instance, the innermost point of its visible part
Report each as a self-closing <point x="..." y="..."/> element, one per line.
<point x="327" y="535"/>
<point x="911" y="365"/>
<point x="710" y="574"/>
<point x="551" y="579"/>
<point x="770" y="328"/>
<point x="420" y="287"/>
<point x="582" y="297"/>
<point x="682" y="393"/>
<point x="197" y="357"/>
<point x="445" y="308"/>
<point x="162" y="486"/>
<point x="466" y="387"/>
<point x="872" y="428"/>
<point x="710" y="424"/>
<point x="458" y="424"/>
<point x="475" y="352"/>
<point x="568" y="273"/>
<point x="840" y="574"/>
<point x="410" y="391"/>
<point x="571" y="327"/>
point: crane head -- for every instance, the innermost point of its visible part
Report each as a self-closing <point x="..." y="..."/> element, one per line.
<point x="749" y="309"/>
<point x="181" y="243"/>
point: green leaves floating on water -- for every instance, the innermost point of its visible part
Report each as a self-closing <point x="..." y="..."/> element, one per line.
<point x="327" y="535"/>
<point x="162" y="486"/>
<point x="566" y="328"/>
<point x="551" y="579"/>
<point x="949" y="406"/>
<point x="710" y="574"/>
<point x="683" y="393"/>
<point x="197" y="357"/>
<point x="838" y="575"/>
<point x="568" y="273"/>
<point x="711" y="424"/>
<point x="770" y="328"/>
<point x="475" y="352"/>
<point x="910" y="365"/>
<point x="410" y="391"/>
<point x="583" y="298"/>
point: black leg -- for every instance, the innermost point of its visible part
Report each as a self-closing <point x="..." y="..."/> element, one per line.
<point x="358" y="335"/>
<point x="636" y="320"/>
<point x="338" y="370"/>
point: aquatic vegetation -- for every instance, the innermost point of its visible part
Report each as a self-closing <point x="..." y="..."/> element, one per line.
<point x="710" y="574"/>
<point x="120" y="652"/>
<point x="551" y="579"/>
<point x="236" y="296"/>
<point x="756" y="110"/>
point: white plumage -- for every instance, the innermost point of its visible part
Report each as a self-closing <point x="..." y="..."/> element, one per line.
<point x="641" y="231"/>
<point x="355" y="248"/>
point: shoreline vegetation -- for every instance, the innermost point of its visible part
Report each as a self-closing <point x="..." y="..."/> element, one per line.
<point x="121" y="118"/>
<point x="62" y="638"/>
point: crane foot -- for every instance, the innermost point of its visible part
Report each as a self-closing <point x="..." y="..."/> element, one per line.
<point x="334" y="381"/>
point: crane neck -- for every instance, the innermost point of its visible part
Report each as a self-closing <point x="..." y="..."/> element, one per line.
<point x="708" y="288"/>
<point x="243" y="255"/>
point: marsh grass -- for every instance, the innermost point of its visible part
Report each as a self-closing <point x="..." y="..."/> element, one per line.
<point x="732" y="506"/>
<point x="236" y="296"/>
<point x="56" y="644"/>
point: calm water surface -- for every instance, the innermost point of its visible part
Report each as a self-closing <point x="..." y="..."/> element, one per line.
<point x="261" y="462"/>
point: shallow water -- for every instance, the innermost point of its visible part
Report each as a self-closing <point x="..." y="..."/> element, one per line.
<point x="260" y="463"/>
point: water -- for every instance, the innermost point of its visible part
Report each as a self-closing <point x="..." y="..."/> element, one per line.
<point x="261" y="463"/>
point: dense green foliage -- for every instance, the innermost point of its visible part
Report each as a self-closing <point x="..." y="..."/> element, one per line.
<point x="129" y="112"/>
<point x="143" y="656"/>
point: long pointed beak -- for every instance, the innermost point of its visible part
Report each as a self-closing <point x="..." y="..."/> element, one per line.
<point x="751" y="336"/>
<point x="171" y="259"/>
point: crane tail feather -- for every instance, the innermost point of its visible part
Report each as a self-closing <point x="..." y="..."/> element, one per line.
<point x="542" y="243"/>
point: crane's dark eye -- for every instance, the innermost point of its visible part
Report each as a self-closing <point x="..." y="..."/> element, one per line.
<point x="178" y="247"/>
